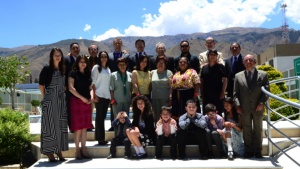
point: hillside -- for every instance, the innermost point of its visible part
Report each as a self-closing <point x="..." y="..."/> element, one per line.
<point x="252" y="40"/>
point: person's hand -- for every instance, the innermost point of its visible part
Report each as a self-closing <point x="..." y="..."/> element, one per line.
<point x="213" y="122"/>
<point x="96" y="99"/>
<point x="259" y="107"/>
<point x="239" y="109"/>
<point x="227" y="125"/>
<point x="86" y="101"/>
<point x="159" y="130"/>
<point x="222" y="96"/>
<point x="233" y="125"/>
<point x="195" y="98"/>
<point x="113" y="102"/>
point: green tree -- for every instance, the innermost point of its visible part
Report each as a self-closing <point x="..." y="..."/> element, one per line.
<point x="13" y="70"/>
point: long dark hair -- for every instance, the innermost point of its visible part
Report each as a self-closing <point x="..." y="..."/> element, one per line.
<point x="140" y="59"/>
<point x="137" y="112"/>
<point x="87" y="71"/>
<point x="61" y="64"/>
<point x="99" y="61"/>
<point x="234" y="112"/>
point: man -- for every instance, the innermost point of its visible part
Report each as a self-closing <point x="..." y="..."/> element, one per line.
<point x="93" y="51"/>
<point x="116" y="54"/>
<point x="233" y="65"/>
<point x="113" y="57"/>
<point x="69" y="61"/>
<point x="250" y="103"/>
<point x="210" y="44"/>
<point x="160" y="50"/>
<point x="192" y="130"/>
<point x="185" y="52"/>
<point x="133" y="60"/>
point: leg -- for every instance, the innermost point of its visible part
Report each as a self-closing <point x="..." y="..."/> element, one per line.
<point x="229" y="145"/>
<point x="257" y="134"/>
<point x="247" y="134"/>
<point x="173" y="144"/>
<point x="159" y="145"/>
<point x="84" y="152"/>
<point x="200" y="135"/>
<point x="102" y="105"/>
<point x="77" y="138"/>
<point x="182" y="136"/>
<point x="217" y="140"/>
<point x="113" y="147"/>
<point x="127" y="145"/>
<point x="112" y="116"/>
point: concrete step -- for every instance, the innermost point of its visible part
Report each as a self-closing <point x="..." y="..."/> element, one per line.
<point x="150" y="163"/>
<point x="97" y="151"/>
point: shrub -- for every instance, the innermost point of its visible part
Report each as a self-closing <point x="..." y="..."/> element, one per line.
<point x="35" y="103"/>
<point x="14" y="135"/>
<point x="296" y="110"/>
<point x="0" y="101"/>
<point x="286" y="111"/>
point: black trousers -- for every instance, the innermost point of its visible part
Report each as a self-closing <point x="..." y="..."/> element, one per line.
<point x="101" y="110"/>
<point x="214" y="137"/>
<point x="127" y="144"/>
<point x="162" y="140"/>
<point x="119" y="142"/>
<point x="192" y="137"/>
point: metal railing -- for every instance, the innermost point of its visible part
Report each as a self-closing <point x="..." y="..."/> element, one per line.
<point x="271" y="124"/>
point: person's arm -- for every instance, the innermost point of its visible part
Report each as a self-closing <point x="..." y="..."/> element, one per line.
<point x="224" y="86"/>
<point x="170" y="90"/>
<point x="200" y="121"/>
<point x="74" y="92"/>
<point x="112" y="93"/>
<point x="236" y="95"/>
<point x="42" y="89"/>
<point x="134" y="82"/>
<point x="184" y="121"/>
<point x="94" y="81"/>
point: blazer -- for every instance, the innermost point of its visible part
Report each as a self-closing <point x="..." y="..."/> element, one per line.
<point x="69" y="65"/>
<point x="230" y="74"/>
<point x="113" y="62"/>
<point x="248" y="97"/>
<point x="194" y="62"/>
<point x="170" y="63"/>
<point x="204" y="60"/>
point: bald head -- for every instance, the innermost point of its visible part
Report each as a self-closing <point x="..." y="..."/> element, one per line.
<point x="210" y="43"/>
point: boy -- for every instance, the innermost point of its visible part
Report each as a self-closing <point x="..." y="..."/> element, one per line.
<point x="192" y="130"/>
<point x="120" y="124"/>
<point x="213" y="134"/>
<point x="166" y="128"/>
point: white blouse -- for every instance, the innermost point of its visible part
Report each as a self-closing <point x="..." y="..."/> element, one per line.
<point x="101" y="81"/>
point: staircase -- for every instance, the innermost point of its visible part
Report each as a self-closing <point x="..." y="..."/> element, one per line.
<point x="99" y="154"/>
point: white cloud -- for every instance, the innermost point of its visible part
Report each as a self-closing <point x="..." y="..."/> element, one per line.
<point x="80" y="37"/>
<point x="108" y="34"/>
<point x="87" y="27"/>
<point x="292" y="10"/>
<point x="190" y="16"/>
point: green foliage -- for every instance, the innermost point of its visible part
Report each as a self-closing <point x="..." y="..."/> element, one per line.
<point x="273" y="74"/>
<point x="13" y="70"/>
<point x="294" y="109"/>
<point x="286" y="111"/>
<point x="14" y="135"/>
<point x="35" y="103"/>
<point x="0" y="101"/>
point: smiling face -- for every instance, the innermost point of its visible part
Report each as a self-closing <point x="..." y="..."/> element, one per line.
<point x="191" y="108"/>
<point x="227" y="106"/>
<point x="249" y="62"/>
<point x="103" y="58"/>
<point x="143" y="63"/>
<point x="56" y="57"/>
<point x="93" y="51"/>
<point x="140" y="105"/>
<point x="165" y="115"/>
<point x="75" y="50"/>
<point x="82" y="64"/>
<point x="183" y="63"/>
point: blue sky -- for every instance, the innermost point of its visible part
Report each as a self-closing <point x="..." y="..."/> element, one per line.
<point x="34" y="22"/>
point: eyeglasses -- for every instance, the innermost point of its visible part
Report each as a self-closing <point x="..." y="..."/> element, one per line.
<point x="212" y="114"/>
<point x="82" y="62"/>
<point x="93" y="49"/>
<point x="75" y="47"/>
<point x="184" y="46"/>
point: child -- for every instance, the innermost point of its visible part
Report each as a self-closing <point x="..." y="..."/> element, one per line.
<point x="233" y="130"/>
<point x="166" y="128"/>
<point x="192" y="130"/>
<point x="142" y="132"/>
<point x="120" y="125"/>
<point x="214" y="132"/>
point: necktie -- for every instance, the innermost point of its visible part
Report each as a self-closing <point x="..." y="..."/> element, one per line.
<point x="140" y="54"/>
<point x="249" y="78"/>
<point x="234" y="64"/>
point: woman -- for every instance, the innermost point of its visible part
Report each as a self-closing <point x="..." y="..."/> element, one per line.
<point x="80" y="85"/>
<point x="213" y="81"/>
<point x="54" y="129"/>
<point x="185" y="86"/>
<point x="161" y="82"/>
<point x="120" y="88"/>
<point x="233" y="130"/>
<point x="141" y="79"/>
<point x="101" y="94"/>
<point x="142" y="132"/>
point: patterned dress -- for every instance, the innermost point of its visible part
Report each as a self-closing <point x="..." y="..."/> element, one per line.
<point x="54" y="131"/>
<point x="237" y="140"/>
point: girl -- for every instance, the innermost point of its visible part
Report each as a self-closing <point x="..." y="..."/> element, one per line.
<point x="233" y="130"/>
<point x="142" y="132"/>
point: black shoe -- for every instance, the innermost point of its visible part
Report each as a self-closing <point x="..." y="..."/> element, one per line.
<point x="158" y="157"/>
<point x="89" y="129"/>
<point x="111" y="129"/>
<point x="230" y="155"/>
<point x="102" y="142"/>
<point x="134" y="156"/>
<point x="111" y="156"/>
<point x="181" y="157"/>
<point x="203" y="157"/>
<point x="248" y="155"/>
<point x="141" y="155"/>
<point x="258" y="155"/>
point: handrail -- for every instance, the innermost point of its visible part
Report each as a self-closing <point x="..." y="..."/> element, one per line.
<point x="270" y="110"/>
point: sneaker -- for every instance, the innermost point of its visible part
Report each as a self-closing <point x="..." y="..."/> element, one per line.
<point x="142" y="155"/>
<point x="230" y="155"/>
<point x="111" y="156"/>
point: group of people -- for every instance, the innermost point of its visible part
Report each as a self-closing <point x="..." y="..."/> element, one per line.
<point x="164" y="93"/>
